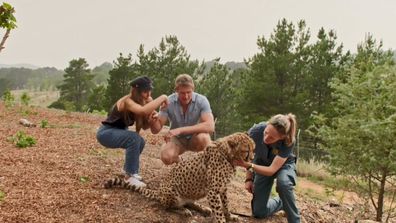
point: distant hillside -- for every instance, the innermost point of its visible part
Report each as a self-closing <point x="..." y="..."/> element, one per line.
<point x="15" y="78"/>
<point x="236" y="65"/>
<point x="230" y="65"/>
<point x="20" y="65"/>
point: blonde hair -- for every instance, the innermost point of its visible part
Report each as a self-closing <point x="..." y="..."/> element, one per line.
<point x="285" y="125"/>
<point x="184" y="80"/>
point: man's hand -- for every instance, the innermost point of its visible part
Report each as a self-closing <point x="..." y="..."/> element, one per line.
<point x="153" y="117"/>
<point x="164" y="105"/>
<point x="171" y="133"/>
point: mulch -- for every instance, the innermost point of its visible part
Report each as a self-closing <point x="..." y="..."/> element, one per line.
<point x="60" y="179"/>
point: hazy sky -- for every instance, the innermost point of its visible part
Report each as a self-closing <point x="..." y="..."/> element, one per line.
<point x="53" y="32"/>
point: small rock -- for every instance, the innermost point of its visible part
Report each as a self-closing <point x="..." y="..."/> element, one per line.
<point x="26" y="123"/>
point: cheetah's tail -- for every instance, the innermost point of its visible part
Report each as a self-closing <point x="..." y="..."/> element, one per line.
<point x="151" y="194"/>
<point x="115" y="182"/>
<point x="119" y="182"/>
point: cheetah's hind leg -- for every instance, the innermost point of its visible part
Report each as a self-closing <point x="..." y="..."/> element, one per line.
<point x="206" y="211"/>
<point x="180" y="210"/>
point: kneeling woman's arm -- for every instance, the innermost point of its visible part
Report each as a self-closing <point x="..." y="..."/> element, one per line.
<point x="276" y="164"/>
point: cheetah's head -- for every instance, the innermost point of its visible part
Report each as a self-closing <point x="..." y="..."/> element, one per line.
<point x="240" y="146"/>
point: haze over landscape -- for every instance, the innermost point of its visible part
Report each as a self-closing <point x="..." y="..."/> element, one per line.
<point x="51" y="33"/>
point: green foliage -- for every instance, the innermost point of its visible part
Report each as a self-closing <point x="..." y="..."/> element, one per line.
<point x="25" y="99"/>
<point x="8" y="99"/>
<point x="219" y="86"/>
<point x="327" y="61"/>
<point x="25" y="112"/>
<point x="77" y="84"/>
<point x="275" y="78"/>
<point x="22" y="140"/>
<point x="44" y="123"/>
<point x="370" y="54"/>
<point x="101" y="112"/>
<point x="118" y="83"/>
<point x="4" y="85"/>
<point x="64" y="105"/>
<point x="84" y="179"/>
<point x="7" y="21"/>
<point x="97" y="98"/>
<point x="7" y="18"/>
<point x="101" y="73"/>
<point x="366" y="107"/>
<point x="360" y="137"/>
<point x="164" y="63"/>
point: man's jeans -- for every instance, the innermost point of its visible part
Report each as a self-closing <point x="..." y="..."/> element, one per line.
<point x="264" y="206"/>
<point x="132" y="142"/>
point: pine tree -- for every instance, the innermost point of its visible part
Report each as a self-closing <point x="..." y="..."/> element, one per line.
<point x="118" y="82"/>
<point x="77" y="83"/>
<point x="164" y="63"/>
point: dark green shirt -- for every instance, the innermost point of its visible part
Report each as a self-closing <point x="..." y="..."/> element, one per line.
<point x="264" y="154"/>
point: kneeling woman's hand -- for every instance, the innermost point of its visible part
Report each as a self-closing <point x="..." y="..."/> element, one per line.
<point x="241" y="163"/>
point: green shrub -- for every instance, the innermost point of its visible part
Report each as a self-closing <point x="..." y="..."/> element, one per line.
<point x="25" y="99"/>
<point x="8" y="98"/>
<point x="44" y="123"/>
<point x="101" y="112"/>
<point x="22" y="140"/>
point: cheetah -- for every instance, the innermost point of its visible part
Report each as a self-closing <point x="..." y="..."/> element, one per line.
<point x="205" y="174"/>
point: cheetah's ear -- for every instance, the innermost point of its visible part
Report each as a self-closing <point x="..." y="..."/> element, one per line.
<point x="232" y="145"/>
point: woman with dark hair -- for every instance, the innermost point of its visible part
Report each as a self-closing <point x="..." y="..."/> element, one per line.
<point x="138" y="107"/>
<point x="273" y="159"/>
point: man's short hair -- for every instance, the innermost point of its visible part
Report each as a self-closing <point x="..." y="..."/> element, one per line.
<point x="184" y="80"/>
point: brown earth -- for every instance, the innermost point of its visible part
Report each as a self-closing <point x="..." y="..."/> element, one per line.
<point x="60" y="178"/>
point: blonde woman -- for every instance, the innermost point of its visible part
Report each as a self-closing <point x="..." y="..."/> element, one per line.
<point x="137" y="108"/>
<point x="274" y="159"/>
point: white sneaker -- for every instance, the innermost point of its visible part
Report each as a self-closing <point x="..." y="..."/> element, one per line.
<point x="137" y="176"/>
<point x="135" y="182"/>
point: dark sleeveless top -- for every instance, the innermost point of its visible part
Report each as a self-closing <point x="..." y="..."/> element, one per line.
<point x="119" y="119"/>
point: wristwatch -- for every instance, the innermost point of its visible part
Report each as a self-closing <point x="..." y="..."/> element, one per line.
<point x="250" y="168"/>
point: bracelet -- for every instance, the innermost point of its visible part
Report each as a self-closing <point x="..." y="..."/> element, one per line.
<point x="249" y="179"/>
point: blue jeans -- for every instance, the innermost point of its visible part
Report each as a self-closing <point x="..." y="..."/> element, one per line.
<point x="264" y="206"/>
<point x="132" y="142"/>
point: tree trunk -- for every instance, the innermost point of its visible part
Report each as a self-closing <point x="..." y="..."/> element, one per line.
<point x="6" y="35"/>
<point x="380" y="207"/>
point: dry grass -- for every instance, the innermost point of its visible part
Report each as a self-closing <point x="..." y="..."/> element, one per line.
<point x="312" y="168"/>
<point x="37" y="98"/>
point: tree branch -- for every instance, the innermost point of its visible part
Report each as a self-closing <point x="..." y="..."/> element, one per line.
<point x="371" y="193"/>
<point x="6" y="35"/>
